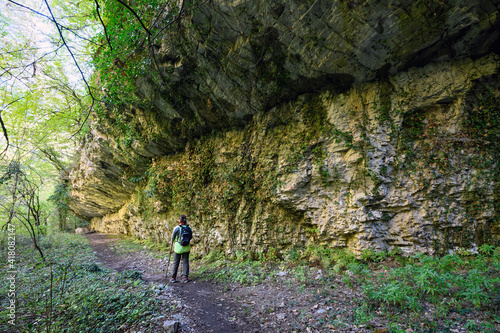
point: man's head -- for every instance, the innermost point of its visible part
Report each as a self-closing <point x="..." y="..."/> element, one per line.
<point x="182" y="219"/>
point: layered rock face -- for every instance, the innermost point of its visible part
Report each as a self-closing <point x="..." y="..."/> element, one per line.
<point x="342" y="123"/>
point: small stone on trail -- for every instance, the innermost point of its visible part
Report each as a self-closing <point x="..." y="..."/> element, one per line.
<point x="280" y="316"/>
<point x="82" y="231"/>
<point x="282" y="273"/>
<point x="381" y="330"/>
<point x="171" y="326"/>
<point x="321" y="311"/>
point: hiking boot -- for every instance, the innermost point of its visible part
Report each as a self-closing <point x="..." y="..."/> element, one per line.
<point x="186" y="280"/>
<point x="172" y="280"/>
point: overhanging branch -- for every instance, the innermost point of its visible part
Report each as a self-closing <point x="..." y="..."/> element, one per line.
<point x="4" y="129"/>
<point x="5" y="134"/>
<point x="103" y="25"/>
<point x="137" y="16"/>
<point x="53" y="20"/>
<point x="76" y="63"/>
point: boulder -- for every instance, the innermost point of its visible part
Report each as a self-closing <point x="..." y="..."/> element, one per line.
<point x="171" y="326"/>
<point x="83" y="231"/>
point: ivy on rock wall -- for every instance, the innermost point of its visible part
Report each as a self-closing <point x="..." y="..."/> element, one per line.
<point x="229" y="179"/>
<point x="127" y="57"/>
<point x="384" y="174"/>
<point x="172" y="70"/>
<point x="349" y="124"/>
<point x="467" y="156"/>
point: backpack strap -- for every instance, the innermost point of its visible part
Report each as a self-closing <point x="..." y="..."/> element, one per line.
<point x="177" y="234"/>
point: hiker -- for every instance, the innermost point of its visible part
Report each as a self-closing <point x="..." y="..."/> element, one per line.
<point x="181" y="237"/>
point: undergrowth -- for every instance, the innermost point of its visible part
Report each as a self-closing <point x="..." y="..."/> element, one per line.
<point x="395" y="287"/>
<point x="70" y="292"/>
<point x="130" y="244"/>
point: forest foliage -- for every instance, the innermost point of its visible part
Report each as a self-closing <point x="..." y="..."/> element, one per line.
<point x="63" y="63"/>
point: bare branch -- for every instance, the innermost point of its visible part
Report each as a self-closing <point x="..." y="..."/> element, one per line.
<point x="76" y="63"/>
<point x="153" y="55"/>
<point x="53" y="20"/>
<point x="64" y="87"/>
<point x="158" y="16"/>
<point x="59" y="27"/>
<point x="86" y="118"/>
<point x="7" y="70"/>
<point x="135" y="14"/>
<point x="77" y="35"/>
<point x="151" y="39"/>
<point x="5" y="134"/>
<point x="31" y="63"/>
<point x="55" y="161"/>
<point x="103" y="25"/>
<point x="4" y="129"/>
<point x="21" y="50"/>
<point x="31" y="9"/>
<point x="181" y="11"/>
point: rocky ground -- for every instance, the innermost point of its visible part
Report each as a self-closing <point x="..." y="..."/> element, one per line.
<point x="282" y="302"/>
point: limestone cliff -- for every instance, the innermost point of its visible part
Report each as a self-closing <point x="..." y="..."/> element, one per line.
<point x="350" y="123"/>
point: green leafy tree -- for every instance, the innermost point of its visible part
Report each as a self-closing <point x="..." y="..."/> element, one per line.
<point x="23" y="206"/>
<point x="44" y="95"/>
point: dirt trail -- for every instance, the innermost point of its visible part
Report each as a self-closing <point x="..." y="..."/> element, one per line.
<point x="202" y="307"/>
<point x="284" y="302"/>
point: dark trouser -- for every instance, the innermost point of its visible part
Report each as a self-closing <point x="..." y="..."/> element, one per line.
<point x="185" y="264"/>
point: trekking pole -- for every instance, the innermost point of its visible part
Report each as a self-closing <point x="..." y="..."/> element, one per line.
<point x="182" y="266"/>
<point x="168" y="264"/>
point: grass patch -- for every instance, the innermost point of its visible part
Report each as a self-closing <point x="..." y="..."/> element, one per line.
<point x="128" y="244"/>
<point x="420" y="292"/>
